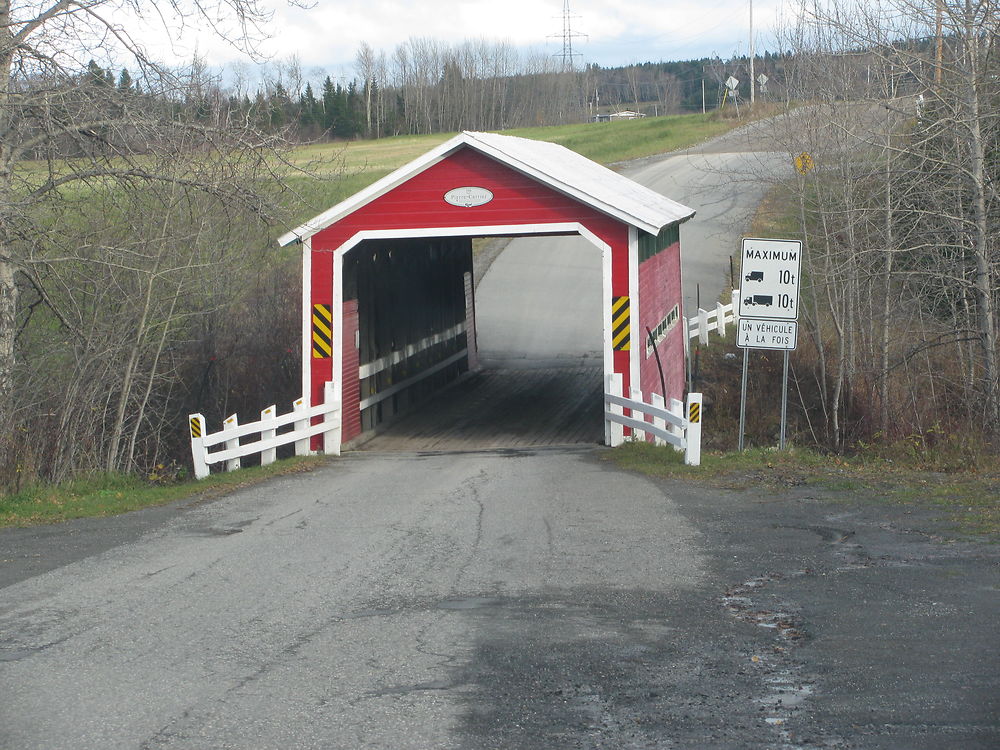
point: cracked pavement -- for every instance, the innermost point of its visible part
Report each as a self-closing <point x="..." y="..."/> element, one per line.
<point x="509" y="599"/>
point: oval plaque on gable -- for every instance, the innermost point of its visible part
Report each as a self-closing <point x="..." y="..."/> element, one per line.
<point x="467" y="197"/>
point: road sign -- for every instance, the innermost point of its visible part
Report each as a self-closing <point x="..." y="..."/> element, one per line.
<point x="804" y="162"/>
<point x="732" y="82"/>
<point x="762" y="79"/>
<point x="766" y="334"/>
<point x="770" y="271"/>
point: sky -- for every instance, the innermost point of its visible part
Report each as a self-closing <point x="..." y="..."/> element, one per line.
<point x="327" y="35"/>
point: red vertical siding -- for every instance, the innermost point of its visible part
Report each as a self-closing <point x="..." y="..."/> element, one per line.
<point x="351" y="395"/>
<point x="659" y="291"/>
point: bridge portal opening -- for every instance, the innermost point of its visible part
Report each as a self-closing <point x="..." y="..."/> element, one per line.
<point x="444" y="363"/>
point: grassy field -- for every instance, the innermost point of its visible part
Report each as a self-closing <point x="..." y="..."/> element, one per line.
<point x="605" y="142"/>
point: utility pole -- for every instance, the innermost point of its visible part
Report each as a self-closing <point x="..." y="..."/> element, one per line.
<point x="751" y="55"/>
<point x="939" y="45"/>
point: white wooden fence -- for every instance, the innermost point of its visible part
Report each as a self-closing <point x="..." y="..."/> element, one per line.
<point x="234" y="448"/>
<point x="677" y="425"/>
<point x="711" y="320"/>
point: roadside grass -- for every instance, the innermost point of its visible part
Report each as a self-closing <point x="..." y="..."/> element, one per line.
<point x="968" y="498"/>
<point x="111" y="494"/>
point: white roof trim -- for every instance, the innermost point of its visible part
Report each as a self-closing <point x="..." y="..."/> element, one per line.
<point x="556" y="166"/>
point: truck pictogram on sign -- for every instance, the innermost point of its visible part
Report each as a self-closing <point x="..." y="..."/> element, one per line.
<point x="770" y="271"/>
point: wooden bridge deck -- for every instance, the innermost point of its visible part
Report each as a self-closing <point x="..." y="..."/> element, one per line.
<point x="508" y="407"/>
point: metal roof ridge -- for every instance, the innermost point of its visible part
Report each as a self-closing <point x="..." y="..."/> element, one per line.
<point x="492" y="145"/>
<point x="575" y="191"/>
<point x="679" y="212"/>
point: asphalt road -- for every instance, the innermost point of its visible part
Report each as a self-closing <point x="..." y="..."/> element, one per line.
<point x="540" y="302"/>
<point x="508" y="599"/>
<point x="724" y="182"/>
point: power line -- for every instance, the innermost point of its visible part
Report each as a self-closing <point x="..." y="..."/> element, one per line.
<point x="568" y="35"/>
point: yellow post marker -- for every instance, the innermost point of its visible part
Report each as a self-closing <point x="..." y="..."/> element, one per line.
<point x="692" y="452"/>
<point x="196" y="423"/>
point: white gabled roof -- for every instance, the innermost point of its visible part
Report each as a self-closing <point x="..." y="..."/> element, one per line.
<point x="556" y="166"/>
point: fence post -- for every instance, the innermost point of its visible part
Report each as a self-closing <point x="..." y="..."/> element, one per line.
<point x="616" y="435"/>
<point x="703" y="326"/>
<point x="659" y="422"/>
<point x="636" y="395"/>
<point x="736" y="304"/>
<point x="692" y="453"/>
<point x="331" y="437"/>
<point x="301" y="446"/>
<point x="687" y="349"/>
<point x="268" y="455"/>
<point x="720" y="318"/>
<point x="231" y="424"/>
<point x="197" y="422"/>
<point x="677" y="407"/>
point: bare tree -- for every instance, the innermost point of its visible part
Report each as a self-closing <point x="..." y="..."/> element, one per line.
<point x="901" y="213"/>
<point x="73" y="145"/>
<point x="365" y="64"/>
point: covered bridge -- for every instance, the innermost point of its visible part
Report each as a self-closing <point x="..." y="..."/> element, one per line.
<point x="388" y="299"/>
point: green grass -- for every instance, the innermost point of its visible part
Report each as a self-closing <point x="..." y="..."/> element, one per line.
<point x="969" y="499"/>
<point x="111" y="494"/>
<point x="352" y="157"/>
<point x="610" y="142"/>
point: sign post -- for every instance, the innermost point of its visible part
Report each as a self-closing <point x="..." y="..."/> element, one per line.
<point x="768" y="308"/>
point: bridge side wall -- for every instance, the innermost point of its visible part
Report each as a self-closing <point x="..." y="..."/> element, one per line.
<point x="660" y="310"/>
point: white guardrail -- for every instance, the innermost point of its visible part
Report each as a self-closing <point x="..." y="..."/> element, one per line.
<point x="707" y="321"/>
<point x="678" y="425"/>
<point x="232" y="434"/>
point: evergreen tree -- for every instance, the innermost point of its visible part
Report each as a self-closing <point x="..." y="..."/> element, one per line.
<point x="125" y="82"/>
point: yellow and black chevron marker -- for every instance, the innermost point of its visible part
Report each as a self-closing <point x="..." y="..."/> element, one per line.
<point x="620" y="324"/>
<point x="695" y="416"/>
<point x="195" y="427"/>
<point x="322" y="330"/>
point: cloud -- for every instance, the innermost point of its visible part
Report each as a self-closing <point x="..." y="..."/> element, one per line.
<point x="329" y="34"/>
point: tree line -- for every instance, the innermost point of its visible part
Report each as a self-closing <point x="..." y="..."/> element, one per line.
<point x="426" y="86"/>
